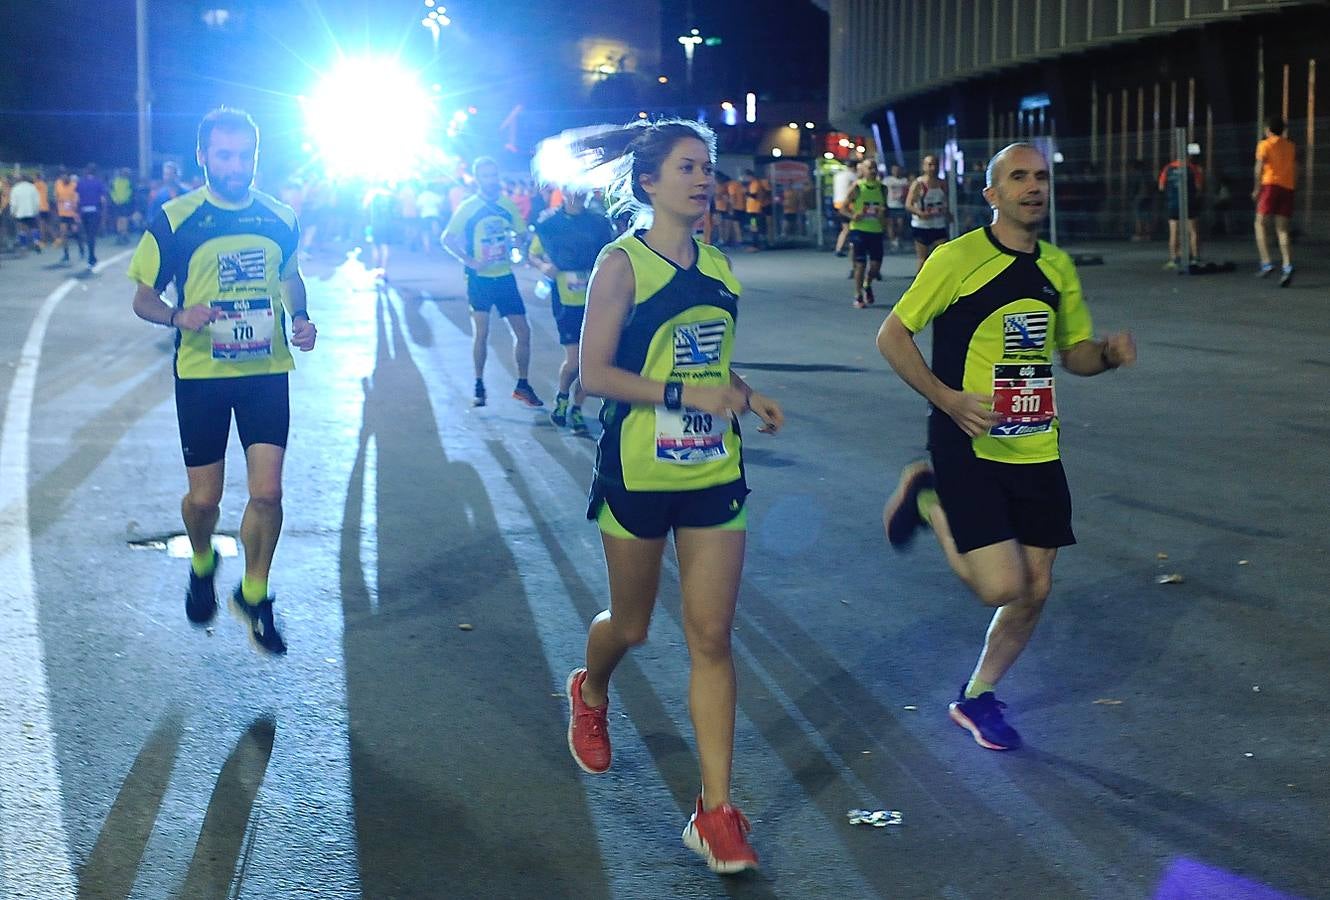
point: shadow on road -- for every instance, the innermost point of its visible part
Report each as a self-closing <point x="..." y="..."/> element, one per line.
<point x="220" y="854"/>
<point x="453" y="734"/>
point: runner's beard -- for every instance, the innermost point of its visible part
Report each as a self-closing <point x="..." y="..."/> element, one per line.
<point x="233" y="189"/>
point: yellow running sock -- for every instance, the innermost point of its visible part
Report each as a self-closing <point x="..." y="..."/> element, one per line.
<point x="254" y="590"/>
<point x="976" y="687"/>
<point x="926" y="501"/>
<point x="204" y="564"/>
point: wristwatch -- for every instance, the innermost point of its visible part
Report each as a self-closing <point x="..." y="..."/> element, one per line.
<point x="300" y="314"/>
<point x="674" y="395"/>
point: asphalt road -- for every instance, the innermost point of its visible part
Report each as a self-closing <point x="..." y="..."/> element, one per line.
<point x="1175" y="745"/>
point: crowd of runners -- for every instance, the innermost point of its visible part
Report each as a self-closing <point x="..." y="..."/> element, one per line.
<point x="645" y="310"/>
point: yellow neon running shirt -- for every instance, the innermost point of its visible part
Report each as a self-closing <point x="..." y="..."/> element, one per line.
<point x="997" y="315"/>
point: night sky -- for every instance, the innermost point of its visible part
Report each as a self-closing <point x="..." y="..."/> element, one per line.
<point x="67" y="90"/>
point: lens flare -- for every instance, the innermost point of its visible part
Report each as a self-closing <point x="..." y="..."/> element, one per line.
<point x="371" y="117"/>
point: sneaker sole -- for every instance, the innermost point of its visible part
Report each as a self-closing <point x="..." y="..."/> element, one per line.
<point x="965" y="722"/>
<point x="568" y="692"/>
<point x="693" y="841"/>
<point x="897" y="499"/>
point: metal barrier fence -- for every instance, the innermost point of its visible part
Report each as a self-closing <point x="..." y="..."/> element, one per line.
<point x="1114" y="188"/>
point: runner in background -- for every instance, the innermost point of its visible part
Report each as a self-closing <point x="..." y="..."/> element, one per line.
<point x="927" y="205"/>
<point x="898" y="217"/>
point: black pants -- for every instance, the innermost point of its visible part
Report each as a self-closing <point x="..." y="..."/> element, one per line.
<point x="92" y="222"/>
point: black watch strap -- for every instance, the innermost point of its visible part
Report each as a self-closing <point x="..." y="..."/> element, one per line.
<point x="674" y="395"/>
<point x="300" y="314"/>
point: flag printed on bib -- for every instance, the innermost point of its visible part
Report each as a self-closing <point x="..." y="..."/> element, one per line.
<point x="1023" y="332"/>
<point x="698" y="343"/>
<point x="242" y="267"/>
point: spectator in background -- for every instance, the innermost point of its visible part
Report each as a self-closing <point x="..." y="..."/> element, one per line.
<point x="429" y="204"/>
<point x="409" y="213"/>
<point x="67" y="211"/>
<point x="792" y="210"/>
<point x="122" y="204"/>
<point x="898" y="217"/>
<point x="93" y="202"/>
<point x="757" y="203"/>
<point x="1276" y="173"/>
<point x="732" y="225"/>
<point x="24" y="204"/>
<point x="6" y="216"/>
<point x="169" y="189"/>
<point x="841" y="182"/>
<point x="44" y="207"/>
<point x="379" y="208"/>
<point x="1172" y="182"/>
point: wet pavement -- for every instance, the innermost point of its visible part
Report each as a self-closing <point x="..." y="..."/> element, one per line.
<point x="1174" y="746"/>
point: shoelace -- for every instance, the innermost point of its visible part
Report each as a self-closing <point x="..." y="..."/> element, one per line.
<point x="992" y="708"/>
<point x="596" y="717"/>
<point x="734" y="823"/>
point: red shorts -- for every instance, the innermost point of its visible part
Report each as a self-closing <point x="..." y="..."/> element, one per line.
<point x="1275" y="200"/>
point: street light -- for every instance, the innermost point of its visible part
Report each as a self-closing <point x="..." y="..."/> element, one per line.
<point x="690" y="42"/>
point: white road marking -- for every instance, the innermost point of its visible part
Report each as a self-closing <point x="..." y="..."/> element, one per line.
<point x="33" y="847"/>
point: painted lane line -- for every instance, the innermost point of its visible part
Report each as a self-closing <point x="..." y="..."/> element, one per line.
<point x="33" y="845"/>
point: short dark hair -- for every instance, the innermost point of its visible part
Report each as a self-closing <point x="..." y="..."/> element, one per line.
<point x="1276" y="124"/>
<point x="225" y="118"/>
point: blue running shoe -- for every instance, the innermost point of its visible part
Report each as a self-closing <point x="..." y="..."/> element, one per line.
<point x="263" y="633"/>
<point x="901" y="515"/>
<point x="982" y="717"/>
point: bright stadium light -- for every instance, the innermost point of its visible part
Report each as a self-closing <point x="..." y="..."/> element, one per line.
<point x="370" y="117"/>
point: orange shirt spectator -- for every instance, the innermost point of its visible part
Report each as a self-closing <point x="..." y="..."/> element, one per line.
<point x="721" y="201"/>
<point x="1279" y="161"/>
<point x="758" y="196"/>
<point x="736" y="190"/>
<point x="66" y="198"/>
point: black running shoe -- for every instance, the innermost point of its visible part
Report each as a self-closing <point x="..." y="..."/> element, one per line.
<point x="982" y="717"/>
<point x="201" y="598"/>
<point x="525" y="394"/>
<point x="577" y="422"/>
<point x="480" y="395"/>
<point x="901" y="517"/>
<point x="263" y="633"/>
<point x="559" y="418"/>
<point x="868" y="296"/>
<point x="1286" y="277"/>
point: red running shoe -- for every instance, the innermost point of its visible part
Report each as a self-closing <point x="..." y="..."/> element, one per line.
<point x="588" y="730"/>
<point x="720" y="836"/>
